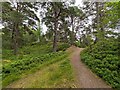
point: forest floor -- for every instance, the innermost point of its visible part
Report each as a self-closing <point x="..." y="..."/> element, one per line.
<point x="84" y="76"/>
<point x="49" y="76"/>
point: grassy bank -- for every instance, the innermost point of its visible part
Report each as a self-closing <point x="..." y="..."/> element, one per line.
<point x="29" y="60"/>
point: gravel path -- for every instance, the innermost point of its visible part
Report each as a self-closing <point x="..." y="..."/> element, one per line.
<point x="84" y="76"/>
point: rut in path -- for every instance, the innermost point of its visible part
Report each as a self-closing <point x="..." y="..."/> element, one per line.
<point x="84" y="76"/>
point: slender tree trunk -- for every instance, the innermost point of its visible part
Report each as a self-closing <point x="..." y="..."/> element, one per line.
<point x="72" y="32"/>
<point x="13" y="31"/>
<point x="100" y="27"/>
<point x="39" y="33"/>
<point x="97" y="22"/>
<point x="16" y="34"/>
<point x="15" y="39"/>
<point x="55" y="33"/>
<point x="102" y="14"/>
<point x="55" y="38"/>
<point x="65" y="39"/>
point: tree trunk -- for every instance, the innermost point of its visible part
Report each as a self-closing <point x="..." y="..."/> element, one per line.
<point x="97" y="23"/>
<point x="16" y="34"/>
<point x="55" y="41"/>
<point x="102" y="14"/>
<point x="15" y="39"/>
<point x="65" y="38"/>
<point x="72" y="32"/>
<point x="55" y="38"/>
<point x="13" y="31"/>
<point x="57" y="12"/>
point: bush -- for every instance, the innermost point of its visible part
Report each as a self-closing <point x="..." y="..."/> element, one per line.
<point x="29" y="58"/>
<point x="103" y="59"/>
<point x="19" y="67"/>
<point x="62" y="46"/>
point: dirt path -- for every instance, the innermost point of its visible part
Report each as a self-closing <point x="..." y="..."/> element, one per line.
<point x="85" y="78"/>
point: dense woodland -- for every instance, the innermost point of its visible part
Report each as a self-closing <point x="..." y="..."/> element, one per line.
<point x="25" y="48"/>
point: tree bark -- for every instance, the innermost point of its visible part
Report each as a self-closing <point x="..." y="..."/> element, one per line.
<point x="57" y="12"/>
<point x="16" y="34"/>
<point x="15" y="39"/>
<point x="97" y="22"/>
<point x="72" y="32"/>
<point x="55" y="41"/>
<point x="55" y="35"/>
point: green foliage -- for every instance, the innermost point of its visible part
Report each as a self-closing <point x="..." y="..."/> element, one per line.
<point x="103" y="59"/>
<point x="34" y="49"/>
<point x="30" y="59"/>
<point x="62" y="46"/>
<point x="112" y="14"/>
<point x="13" y="71"/>
<point x="56" y="75"/>
<point x="14" y="17"/>
<point x="77" y="44"/>
<point x="80" y="44"/>
<point x="6" y="39"/>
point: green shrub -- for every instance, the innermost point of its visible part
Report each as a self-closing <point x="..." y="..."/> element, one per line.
<point x="24" y="65"/>
<point x="62" y="46"/>
<point x="103" y="59"/>
<point x="28" y="59"/>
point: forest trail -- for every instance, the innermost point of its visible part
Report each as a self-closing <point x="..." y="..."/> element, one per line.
<point x="85" y="78"/>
